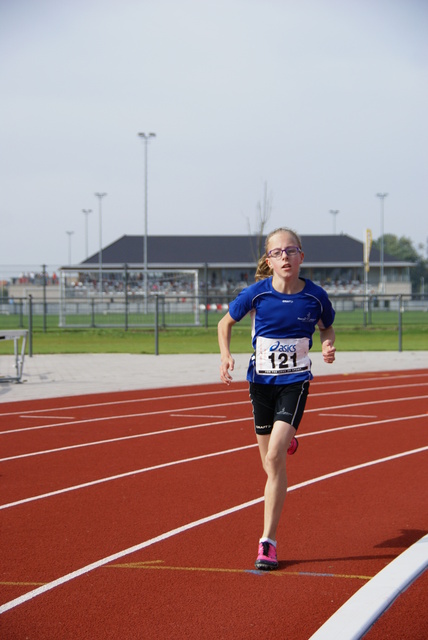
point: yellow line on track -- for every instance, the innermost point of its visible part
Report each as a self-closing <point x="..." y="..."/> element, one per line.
<point x="157" y="564"/>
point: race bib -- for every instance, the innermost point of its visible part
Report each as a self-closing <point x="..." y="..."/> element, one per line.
<point x="280" y="357"/>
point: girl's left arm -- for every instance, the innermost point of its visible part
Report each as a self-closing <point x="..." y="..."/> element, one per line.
<point x="328" y="337"/>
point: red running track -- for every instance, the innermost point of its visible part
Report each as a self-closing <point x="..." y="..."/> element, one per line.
<point x="137" y="515"/>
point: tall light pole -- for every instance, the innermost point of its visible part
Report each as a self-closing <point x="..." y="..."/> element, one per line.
<point x="69" y="233"/>
<point x="382" y="197"/>
<point x="146" y="137"/>
<point x="334" y="213"/>
<point x="100" y="196"/>
<point x="86" y="212"/>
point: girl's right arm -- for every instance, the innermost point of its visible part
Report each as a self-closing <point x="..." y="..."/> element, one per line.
<point x="224" y="335"/>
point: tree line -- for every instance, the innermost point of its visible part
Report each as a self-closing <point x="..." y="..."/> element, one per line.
<point x="403" y="249"/>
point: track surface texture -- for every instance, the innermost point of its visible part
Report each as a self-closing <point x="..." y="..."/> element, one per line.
<point x="137" y="514"/>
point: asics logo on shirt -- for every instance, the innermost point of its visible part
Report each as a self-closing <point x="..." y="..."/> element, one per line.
<point x="288" y="348"/>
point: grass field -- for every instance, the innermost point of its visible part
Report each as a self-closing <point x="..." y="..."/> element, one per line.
<point x="201" y="340"/>
<point x="354" y="332"/>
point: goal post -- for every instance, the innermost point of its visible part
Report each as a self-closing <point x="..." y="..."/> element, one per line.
<point x="121" y="293"/>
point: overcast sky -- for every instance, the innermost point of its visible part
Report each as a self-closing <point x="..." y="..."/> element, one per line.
<point x="326" y="101"/>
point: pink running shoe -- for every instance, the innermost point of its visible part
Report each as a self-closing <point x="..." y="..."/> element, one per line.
<point x="293" y="446"/>
<point x="266" y="560"/>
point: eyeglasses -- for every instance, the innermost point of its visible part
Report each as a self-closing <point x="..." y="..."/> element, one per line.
<point x="290" y="251"/>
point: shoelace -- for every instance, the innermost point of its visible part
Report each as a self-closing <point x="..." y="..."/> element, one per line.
<point x="266" y="546"/>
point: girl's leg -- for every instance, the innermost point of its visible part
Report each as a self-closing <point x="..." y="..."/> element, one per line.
<point x="273" y="451"/>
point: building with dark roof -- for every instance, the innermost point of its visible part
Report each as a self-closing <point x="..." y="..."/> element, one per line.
<point x="331" y="260"/>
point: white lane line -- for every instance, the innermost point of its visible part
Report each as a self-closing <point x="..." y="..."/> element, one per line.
<point x="375" y="377"/>
<point x="362" y="424"/>
<point x="220" y="391"/>
<point x="111" y="403"/>
<point x="173" y="532"/>
<point x="223" y="404"/>
<point x="198" y="426"/>
<point x="226" y="404"/>
<point x="194" y="415"/>
<point x="345" y="415"/>
<point x="120" y="554"/>
<point x="165" y="465"/>
<point x="372" y="389"/>
<point x="126" y="474"/>
<point x="356" y="616"/>
<point x="121" y="438"/>
<point x="123" y="417"/>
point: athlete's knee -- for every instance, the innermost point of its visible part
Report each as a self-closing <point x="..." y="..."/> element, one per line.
<point x="274" y="461"/>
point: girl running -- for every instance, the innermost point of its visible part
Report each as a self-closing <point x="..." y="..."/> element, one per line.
<point x="285" y="311"/>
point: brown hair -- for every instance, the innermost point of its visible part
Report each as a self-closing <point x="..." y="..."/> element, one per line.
<point x="263" y="270"/>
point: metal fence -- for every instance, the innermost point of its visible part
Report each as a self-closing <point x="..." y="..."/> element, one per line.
<point x="166" y="311"/>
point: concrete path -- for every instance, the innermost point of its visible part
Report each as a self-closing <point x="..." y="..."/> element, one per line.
<point x="47" y="376"/>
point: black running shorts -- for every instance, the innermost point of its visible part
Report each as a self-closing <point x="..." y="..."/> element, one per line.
<point x="272" y="402"/>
